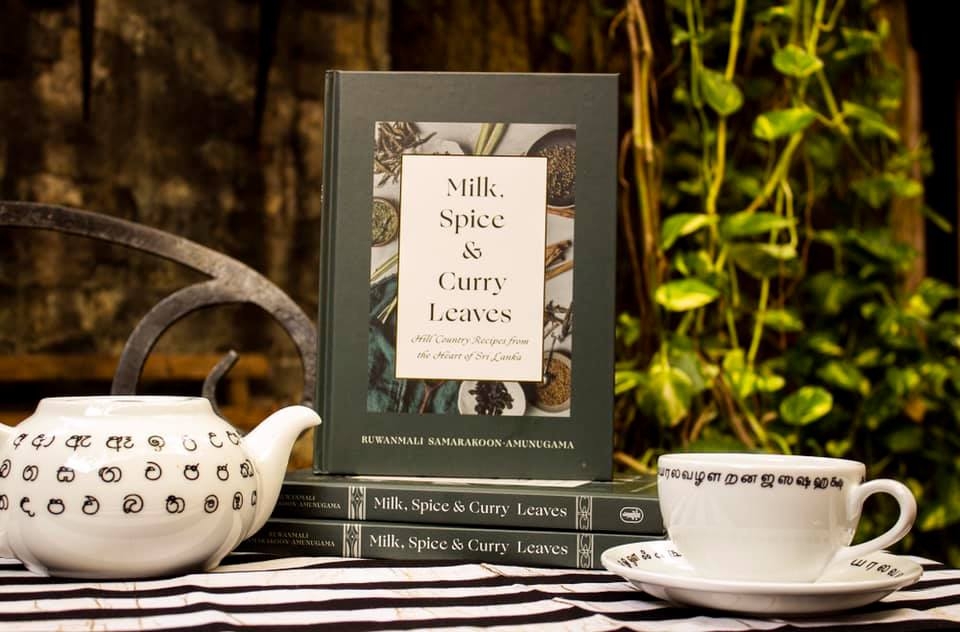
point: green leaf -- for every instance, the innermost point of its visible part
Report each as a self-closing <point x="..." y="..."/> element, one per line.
<point x="881" y="244"/>
<point x="870" y="358"/>
<point x="844" y="375"/>
<point x="823" y="343"/>
<point x="764" y="261"/>
<point x="669" y="393"/>
<point x="745" y="224"/>
<point x="861" y="42"/>
<point x="831" y="292"/>
<point x="682" y="224"/>
<point x="875" y="191"/>
<point x="770" y="383"/>
<point x="876" y="129"/>
<point x="779" y="123"/>
<point x="685" y="294"/>
<point x="785" y="12"/>
<point x="696" y="263"/>
<point x="720" y="93"/>
<point x="944" y="512"/>
<point x="679" y="36"/>
<point x="930" y="294"/>
<point x="823" y="151"/>
<point x="903" y="381"/>
<point x="806" y="405"/>
<point x="628" y="329"/>
<point x="561" y="43"/>
<point x="748" y="185"/>
<point x="793" y="61"/>
<point x="905" y="186"/>
<point x="783" y="320"/>
<point x="871" y="123"/>
<point x="905" y="440"/>
<point x="628" y="380"/>
<point x="838" y="449"/>
<point x="688" y="361"/>
<point x="742" y="380"/>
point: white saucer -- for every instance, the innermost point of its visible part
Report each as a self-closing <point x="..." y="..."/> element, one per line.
<point x="658" y="569"/>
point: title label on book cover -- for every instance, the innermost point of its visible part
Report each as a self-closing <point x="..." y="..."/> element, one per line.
<point x="471" y="267"/>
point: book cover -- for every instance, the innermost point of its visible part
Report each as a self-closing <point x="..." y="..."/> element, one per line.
<point x="457" y="336"/>
<point x="624" y="505"/>
<point x="408" y="541"/>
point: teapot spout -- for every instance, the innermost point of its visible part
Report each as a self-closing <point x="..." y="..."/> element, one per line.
<point x="268" y="446"/>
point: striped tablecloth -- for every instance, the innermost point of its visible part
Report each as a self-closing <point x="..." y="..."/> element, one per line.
<point x="338" y="593"/>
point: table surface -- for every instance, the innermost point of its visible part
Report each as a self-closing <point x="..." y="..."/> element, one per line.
<point x="321" y="593"/>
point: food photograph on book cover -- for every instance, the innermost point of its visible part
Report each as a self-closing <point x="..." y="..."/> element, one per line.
<point x="471" y="268"/>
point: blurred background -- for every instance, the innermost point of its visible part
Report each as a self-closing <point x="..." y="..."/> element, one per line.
<point x="828" y="325"/>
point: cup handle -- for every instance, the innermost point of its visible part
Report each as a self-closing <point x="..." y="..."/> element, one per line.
<point x="908" y="513"/>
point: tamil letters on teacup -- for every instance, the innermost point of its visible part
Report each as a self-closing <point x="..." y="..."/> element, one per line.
<point x="764" y="480"/>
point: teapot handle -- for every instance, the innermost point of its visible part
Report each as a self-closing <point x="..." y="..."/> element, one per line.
<point x="5" y="433"/>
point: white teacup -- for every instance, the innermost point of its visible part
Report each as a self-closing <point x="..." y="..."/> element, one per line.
<point x="764" y="517"/>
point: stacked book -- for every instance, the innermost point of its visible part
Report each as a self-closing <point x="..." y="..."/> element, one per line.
<point x="523" y="522"/>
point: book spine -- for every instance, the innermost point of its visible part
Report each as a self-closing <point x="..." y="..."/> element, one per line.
<point x="487" y="508"/>
<point x="328" y="192"/>
<point x="404" y="541"/>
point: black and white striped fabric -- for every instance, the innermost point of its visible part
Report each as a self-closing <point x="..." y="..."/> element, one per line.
<point x="336" y="593"/>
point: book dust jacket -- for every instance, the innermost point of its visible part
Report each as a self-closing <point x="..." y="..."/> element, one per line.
<point x="467" y="272"/>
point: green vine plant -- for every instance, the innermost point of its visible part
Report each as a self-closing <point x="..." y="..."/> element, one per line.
<point x="770" y="307"/>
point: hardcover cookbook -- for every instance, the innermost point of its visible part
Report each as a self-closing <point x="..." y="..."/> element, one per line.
<point x="411" y="541"/>
<point x="467" y="275"/>
<point x="623" y="505"/>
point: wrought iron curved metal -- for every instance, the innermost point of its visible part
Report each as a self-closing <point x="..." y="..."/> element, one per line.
<point x="230" y="282"/>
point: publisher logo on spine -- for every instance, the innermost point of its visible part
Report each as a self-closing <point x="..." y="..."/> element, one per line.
<point x="631" y="515"/>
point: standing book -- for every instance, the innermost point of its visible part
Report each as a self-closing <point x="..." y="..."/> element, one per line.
<point x="623" y="505"/>
<point x="454" y="208"/>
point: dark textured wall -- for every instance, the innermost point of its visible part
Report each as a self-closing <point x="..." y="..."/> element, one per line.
<point x="168" y="143"/>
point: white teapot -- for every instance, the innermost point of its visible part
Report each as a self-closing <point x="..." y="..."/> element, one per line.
<point x="133" y="486"/>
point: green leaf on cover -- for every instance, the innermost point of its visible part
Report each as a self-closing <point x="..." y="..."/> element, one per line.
<point x="806" y="405"/>
<point x="685" y="294"/>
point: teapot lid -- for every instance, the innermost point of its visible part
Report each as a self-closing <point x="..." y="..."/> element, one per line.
<point x="124" y="405"/>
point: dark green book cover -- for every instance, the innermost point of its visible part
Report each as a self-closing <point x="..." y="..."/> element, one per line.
<point x="624" y="505"/>
<point x="467" y="275"/>
<point x="407" y="541"/>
